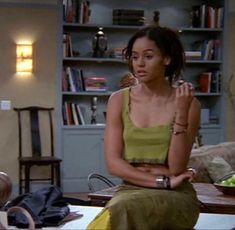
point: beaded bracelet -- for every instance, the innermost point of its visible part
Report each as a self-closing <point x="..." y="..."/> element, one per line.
<point x="183" y="125"/>
<point x="179" y="132"/>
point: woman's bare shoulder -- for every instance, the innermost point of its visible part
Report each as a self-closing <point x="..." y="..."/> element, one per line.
<point x="117" y="96"/>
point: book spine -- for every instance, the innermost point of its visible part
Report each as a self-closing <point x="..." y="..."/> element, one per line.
<point x="205" y="82"/>
<point x="69" y="113"/>
<point x="71" y="83"/>
<point x="81" y="117"/>
<point x="74" y="113"/>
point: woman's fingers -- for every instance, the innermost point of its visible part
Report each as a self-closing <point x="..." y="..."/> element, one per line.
<point x="185" y="89"/>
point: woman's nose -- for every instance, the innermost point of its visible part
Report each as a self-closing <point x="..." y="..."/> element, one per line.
<point x="141" y="61"/>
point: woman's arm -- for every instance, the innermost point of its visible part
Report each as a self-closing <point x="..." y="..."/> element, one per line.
<point x="185" y="129"/>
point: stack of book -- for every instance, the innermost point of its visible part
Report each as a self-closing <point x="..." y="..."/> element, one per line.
<point x="193" y="55"/>
<point x="96" y="84"/>
<point x="128" y="17"/>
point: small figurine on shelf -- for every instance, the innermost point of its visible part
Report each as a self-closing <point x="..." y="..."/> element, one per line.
<point x="156" y="17"/>
<point x="93" y="109"/>
<point x="154" y="20"/>
<point x="99" y="43"/>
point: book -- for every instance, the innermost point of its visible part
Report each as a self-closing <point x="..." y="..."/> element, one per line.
<point x="77" y="79"/>
<point x="215" y="81"/>
<point x="69" y="115"/>
<point x="64" y="114"/>
<point x="196" y="19"/>
<point x="211" y="17"/>
<point x="135" y="22"/>
<point x="193" y="55"/>
<point x="80" y="114"/>
<point x="65" y="84"/>
<point x="70" y="80"/>
<point x="128" y="17"/>
<point x="128" y="12"/>
<point x="203" y="16"/>
<point x="82" y="80"/>
<point x="67" y="45"/>
<point x="75" y="114"/>
<point x="205" y="82"/>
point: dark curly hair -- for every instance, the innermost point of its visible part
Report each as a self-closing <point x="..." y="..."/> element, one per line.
<point x="169" y="44"/>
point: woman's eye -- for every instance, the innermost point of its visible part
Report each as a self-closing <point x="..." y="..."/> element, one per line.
<point x="148" y="56"/>
<point x="134" y="57"/>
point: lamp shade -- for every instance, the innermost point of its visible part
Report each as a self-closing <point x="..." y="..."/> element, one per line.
<point x="24" y="58"/>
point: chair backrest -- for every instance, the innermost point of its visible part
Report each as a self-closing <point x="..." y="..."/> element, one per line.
<point x="95" y="178"/>
<point x="34" y="113"/>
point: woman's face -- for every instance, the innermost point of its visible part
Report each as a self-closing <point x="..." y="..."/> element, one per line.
<point x="147" y="60"/>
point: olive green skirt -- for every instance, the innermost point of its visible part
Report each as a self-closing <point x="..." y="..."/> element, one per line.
<point x="134" y="207"/>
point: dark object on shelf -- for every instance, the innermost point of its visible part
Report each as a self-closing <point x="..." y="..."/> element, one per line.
<point x="196" y="16"/>
<point x="93" y="109"/>
<point x="35" y="130"/>
<point x="128" y="17"/>
<point x="99" y="43"/>
<point x="156" y="17"/>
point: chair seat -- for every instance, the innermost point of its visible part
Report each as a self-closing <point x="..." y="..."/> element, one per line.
<point x="43" y="160"/>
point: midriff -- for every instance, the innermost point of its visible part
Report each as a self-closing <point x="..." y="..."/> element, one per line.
<point x="155" y="169"/>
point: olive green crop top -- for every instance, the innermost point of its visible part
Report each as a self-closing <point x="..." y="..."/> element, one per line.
<point x="144" y="145"/>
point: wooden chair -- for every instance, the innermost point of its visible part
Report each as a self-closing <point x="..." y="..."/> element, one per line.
<point x="35" y="155"/>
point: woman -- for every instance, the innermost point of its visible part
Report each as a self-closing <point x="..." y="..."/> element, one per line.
<point x="149" y="134"/>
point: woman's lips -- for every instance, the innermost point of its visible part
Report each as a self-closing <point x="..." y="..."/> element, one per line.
<point x="141" y="73"/>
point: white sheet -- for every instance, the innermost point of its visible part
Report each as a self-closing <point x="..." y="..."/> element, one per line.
<point x="206" y="221"/>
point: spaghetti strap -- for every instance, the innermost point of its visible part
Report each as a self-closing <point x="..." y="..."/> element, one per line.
<point x="126" y="99"/>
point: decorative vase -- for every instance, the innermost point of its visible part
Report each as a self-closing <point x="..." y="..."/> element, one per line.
<point x="99" y="43"/>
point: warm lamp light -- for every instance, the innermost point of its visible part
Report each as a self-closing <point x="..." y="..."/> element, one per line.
<point x="24" y="58"/>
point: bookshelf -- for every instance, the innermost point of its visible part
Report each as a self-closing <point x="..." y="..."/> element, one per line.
<point x="206" y="39"/>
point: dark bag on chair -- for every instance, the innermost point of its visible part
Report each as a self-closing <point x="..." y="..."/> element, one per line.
<point x="45" y="205"/>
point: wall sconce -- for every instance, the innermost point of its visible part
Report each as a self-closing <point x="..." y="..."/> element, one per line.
<point x="24" y="58"/>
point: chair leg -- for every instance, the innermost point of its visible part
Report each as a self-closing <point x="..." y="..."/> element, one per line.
<point x="52" y="173"/>
<point x="20" y="179"/>
<point x="57" y="166"/>
<point x="27" y="179"/>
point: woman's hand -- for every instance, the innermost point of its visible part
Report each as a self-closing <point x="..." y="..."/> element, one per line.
<point x="184" y="96"/>
<point x="188" y="175"/>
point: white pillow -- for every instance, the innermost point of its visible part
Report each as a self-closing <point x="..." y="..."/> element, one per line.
<point x="218" y="168"/>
